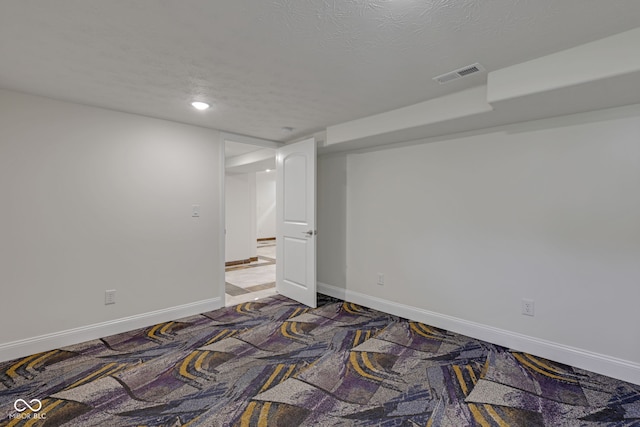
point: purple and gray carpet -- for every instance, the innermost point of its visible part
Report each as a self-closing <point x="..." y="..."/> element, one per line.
<point x="275" y="362"/>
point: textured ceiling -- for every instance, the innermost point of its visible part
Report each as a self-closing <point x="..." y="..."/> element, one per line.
<point x="265" y="65"/>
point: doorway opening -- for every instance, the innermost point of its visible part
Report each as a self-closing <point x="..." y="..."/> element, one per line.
<point x="250" y="205"/>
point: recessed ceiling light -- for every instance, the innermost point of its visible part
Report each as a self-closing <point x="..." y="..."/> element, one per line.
<point x="200" y="105"/>
<point x="268" y="170"/>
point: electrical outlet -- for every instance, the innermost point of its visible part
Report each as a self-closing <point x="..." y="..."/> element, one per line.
<point x="528" y="307"/>
<point x="380" y="279"/>
<point x="109" y="297"/>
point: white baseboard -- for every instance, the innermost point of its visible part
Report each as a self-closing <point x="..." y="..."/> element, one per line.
<point x="28" y="346"/>
<point x="584" y="359"/>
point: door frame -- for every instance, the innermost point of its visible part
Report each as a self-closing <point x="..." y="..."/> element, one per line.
<point x="243" y="139"/>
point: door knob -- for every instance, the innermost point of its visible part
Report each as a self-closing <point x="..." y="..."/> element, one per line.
<point x="310" y="233"/>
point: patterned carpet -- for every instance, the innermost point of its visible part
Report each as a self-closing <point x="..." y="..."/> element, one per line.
<point x="277" y="363"/>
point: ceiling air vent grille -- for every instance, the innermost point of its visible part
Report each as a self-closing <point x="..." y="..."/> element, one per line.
<point x="459" y="73"/>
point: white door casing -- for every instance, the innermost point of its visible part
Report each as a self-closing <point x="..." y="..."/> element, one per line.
<point x="296" y="221"/>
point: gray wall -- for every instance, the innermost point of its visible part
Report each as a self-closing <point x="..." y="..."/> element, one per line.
<point x="332" y="216"/>
<point x="95" y="199"/>
<point x="466" y="227"/>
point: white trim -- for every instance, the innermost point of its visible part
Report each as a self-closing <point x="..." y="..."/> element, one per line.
<point x="222" y="226"/>
<point x="606" y="365"/>
<point x="28" y="346"/>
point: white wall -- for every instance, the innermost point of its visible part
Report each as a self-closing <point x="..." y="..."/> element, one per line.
<point x="94" y="199"/>
<point x="240" y="206"/>
<point x="332" y="219"/>
<point x="466" y="227"/>
<point x="266" y="204"/>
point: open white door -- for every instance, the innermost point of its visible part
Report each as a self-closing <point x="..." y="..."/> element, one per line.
<point x="296" y="221"/>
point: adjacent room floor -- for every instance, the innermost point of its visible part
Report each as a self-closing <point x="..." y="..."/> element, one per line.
<point x="250" y="282"/>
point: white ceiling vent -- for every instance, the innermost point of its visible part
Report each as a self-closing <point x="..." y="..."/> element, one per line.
<point x="459" y="73"/>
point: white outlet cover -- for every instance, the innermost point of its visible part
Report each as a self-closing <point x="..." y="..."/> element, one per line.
<point x="109" y="297"/>
<point x="528" y="307"/>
